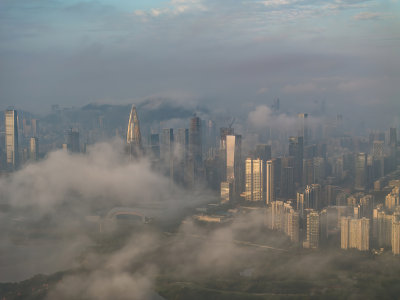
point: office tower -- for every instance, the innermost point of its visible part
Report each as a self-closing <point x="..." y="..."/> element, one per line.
<point x="263" y="151"/>
<point x="133" y="135"/>
<point x="195" y="150"/>
<point x="11" y="124"/>
<point x="355" y="233"/>
<point x="360" y="171"/>
<point x="396" y="235"/>
<point x="312" y="197"/>
<point x="34" y="149"/>
<point x="308" y="171"/>
<point x="319" y="169"/>
<point x="210" y="135"/>
<point x="312" y="235"/>
<point x="254" y="180"/>
<point x="73" y="141"/>
<point x="393" y="137"/>
<point x="378" y="149"/>
<point x="181" y="141"/>
<point x="35" y="127"/>
<point x="378" y="159"/>
<point x="269" y="180"/>
<point x="276" y="105"/>
<point x="296" y="150"/>
<point x="277" y="163"/>
<point x="233" y="162"/>
<point x="303" y="127"/>
<point x="226" y="192"/>
<point x="167" y="150"/>
<point x="288" y="186"/>
<point x="223" y="133"/>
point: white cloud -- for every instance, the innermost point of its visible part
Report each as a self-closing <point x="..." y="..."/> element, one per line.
<point x="301" y="88"/>
<point x="365" y="15"/>
<point x="262" y="90"/>
<point x="357" y="85"/>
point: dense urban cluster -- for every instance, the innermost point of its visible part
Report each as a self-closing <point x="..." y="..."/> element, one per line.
<point x="323" y="187"/>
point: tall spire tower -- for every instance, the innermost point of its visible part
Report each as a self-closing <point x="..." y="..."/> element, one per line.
<point x="133" y="136"/>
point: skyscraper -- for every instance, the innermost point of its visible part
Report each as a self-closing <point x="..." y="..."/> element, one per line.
<point x="233" y="162"/>
<point x="181" y="141"/>
<point x="73" y="141"/>
<point x="287" y="189"/>
<point x="11" y="122"/>
<point x="133" y="136"/>
<point x="226" y="192"/>
<point x="34" y="149"/>
<point x="167" y="150"/>
<point x="263" y="151"/>
<point x="195" y="151"/>
<point x="303" y="127"/>
<point x="254" y="180"/>
<point x="296" y="151"/>
<point x="360" y="172"/>
<point x="269" y="182"/>
<point x="393" y="137"/>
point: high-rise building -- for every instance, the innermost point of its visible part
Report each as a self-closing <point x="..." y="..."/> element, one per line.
<point x="73" y="141"/>
<point x="313" y="224"/>
<point x="195" y="159"/>
<point x="296" y="150"/>
<point x="393" y="137"/>
<point x="360" y="172"/>
<point x="277" y="215"/>
<point x="34" y="149"/>
<point x="319" y="169"/>
<point x="287" y="189"/>
<point x="223" y="133"/>
<point x="396" y="235"/>
<point x="382" y="228"/>
<point x="35" y="127"/>
<point x="303" y="127"/>
<point x="233" y="162"/>
<point x="11" y="124"/>
<point x="308" y="171"/>
<point x="263" y="151"/>
<point x="269" y="182"/>
<point x="254" y="180"/>
<point x="167" y="150"/>
<point x="392" y="200"/>
<point x="133" y="135"/>
<point x="355" y="233"/>
<point x="312" y="197"/>
<point x="300" y="204"/>
<point x="293" y="226"/>
<point x="226" y="192"/>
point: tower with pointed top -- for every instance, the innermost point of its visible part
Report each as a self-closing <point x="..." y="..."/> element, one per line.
<point x="133" y="136"/>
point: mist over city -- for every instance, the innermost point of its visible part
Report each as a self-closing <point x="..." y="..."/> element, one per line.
<point x="198" y="149"/>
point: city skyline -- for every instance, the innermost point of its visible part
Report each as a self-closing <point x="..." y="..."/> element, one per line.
<point x="199" y="149"/>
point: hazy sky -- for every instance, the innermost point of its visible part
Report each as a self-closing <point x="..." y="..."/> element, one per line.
<point x="237" y="52"/>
